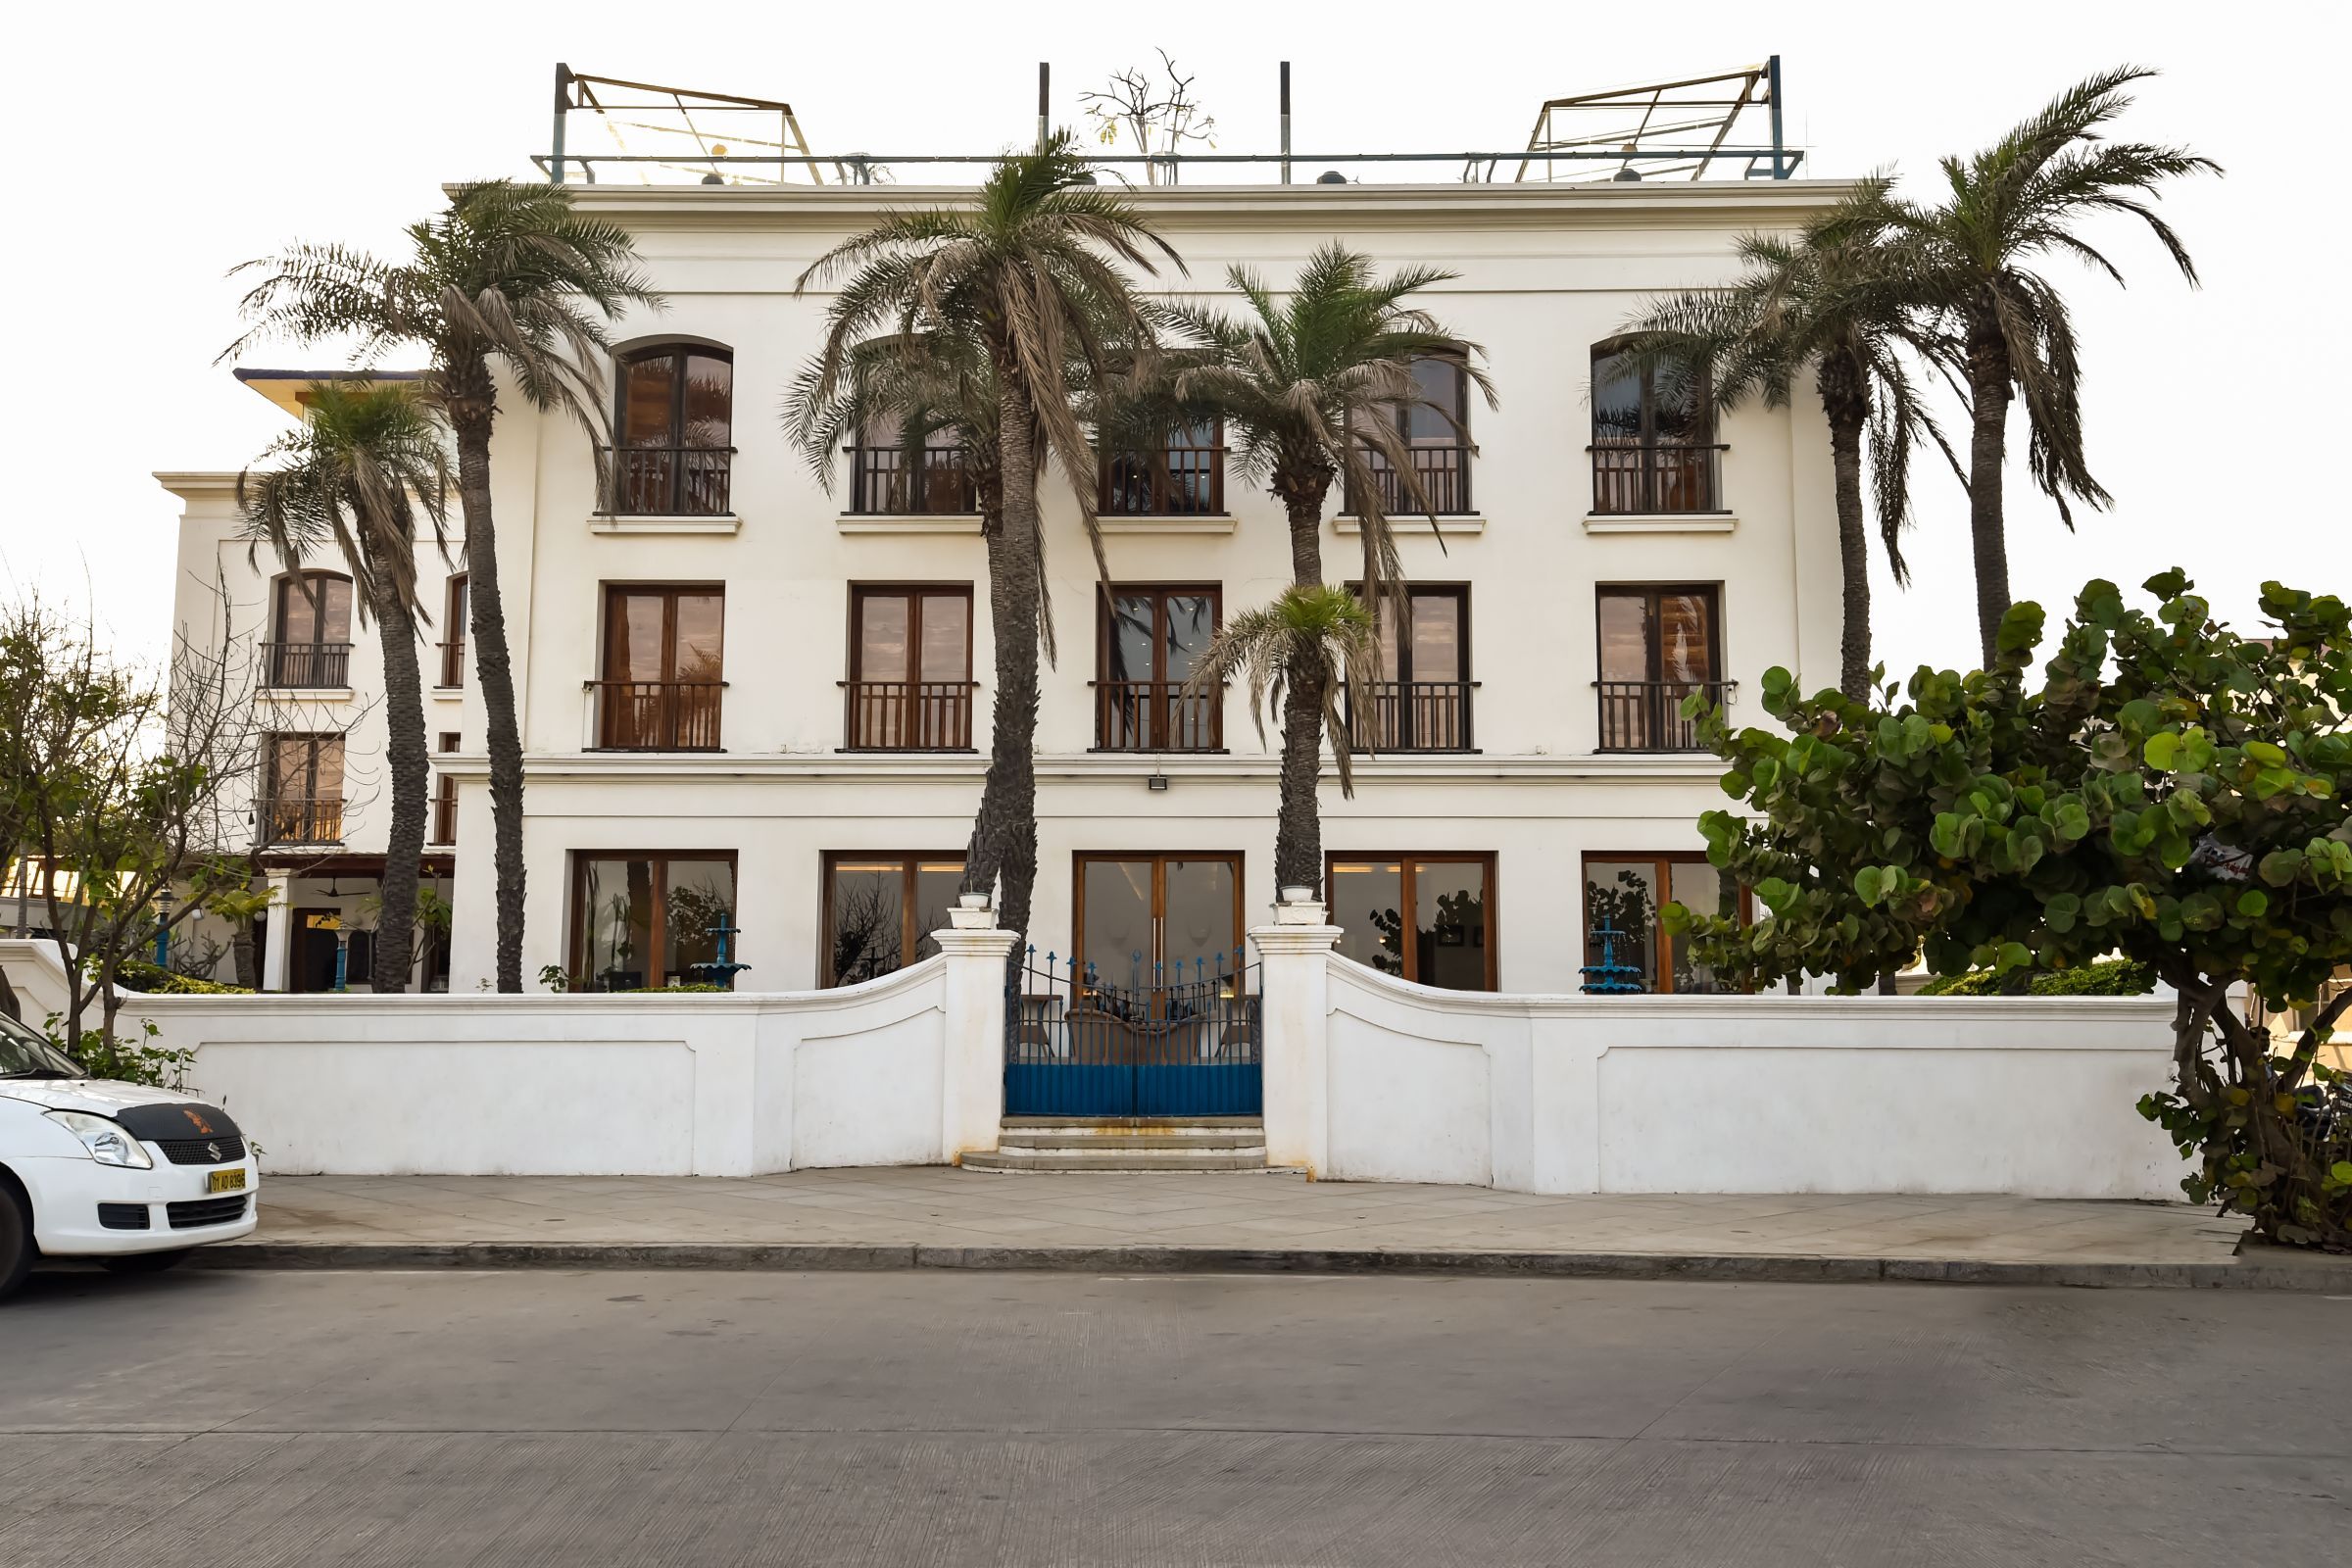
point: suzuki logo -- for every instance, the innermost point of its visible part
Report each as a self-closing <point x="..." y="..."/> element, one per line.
<point x="213" y="1149"/>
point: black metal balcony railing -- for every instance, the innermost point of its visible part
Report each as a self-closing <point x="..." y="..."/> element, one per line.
<point x="305" y="821"/>
<point x="882" y="483"/>
<point x="1157" y="715"/>
<point x="1444" y="476"/>
<point x="658" y="715"/>
<point x="307" y="665"/>
<point x="1631" y="478"/>
<point x="453" y="661"/>
<point x="668" y="481"/>
<point x="1413" y="715"/>
<point x="1191" y="484"/>
<point x="1647" y="715"/>
<point x="445" y="816"/>
<point x="908" y="715"/>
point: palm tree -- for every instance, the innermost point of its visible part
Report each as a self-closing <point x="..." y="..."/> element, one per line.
<point x="1974" y="256"/>
<point x="368" y="458"/>
<point x="506" y="278"/>
<point x="1029" y="272"/>
<point x="1833" y="300"/>
<point x="1308" y="385"/>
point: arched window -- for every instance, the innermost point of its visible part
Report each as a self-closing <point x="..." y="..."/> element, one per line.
<point x="309" y="622"/>
<point x="1653" y="435"/>
<point x="674" y="425"/>
<point x="1436" y="426"/>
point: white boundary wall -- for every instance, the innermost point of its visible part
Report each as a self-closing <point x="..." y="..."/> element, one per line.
<point x="1738" y="1094"/>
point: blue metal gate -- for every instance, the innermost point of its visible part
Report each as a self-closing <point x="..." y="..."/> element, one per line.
<point x="1186" y="1044"/>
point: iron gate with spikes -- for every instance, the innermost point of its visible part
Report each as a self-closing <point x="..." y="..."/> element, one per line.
<point x="1186" y="1044"/>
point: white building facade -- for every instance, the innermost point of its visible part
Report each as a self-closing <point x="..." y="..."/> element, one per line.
<point x="747" y="700"/>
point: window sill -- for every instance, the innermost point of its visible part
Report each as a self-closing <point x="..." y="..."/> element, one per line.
<point x="1460" y="522"/>
<point x="906" y="751"/>
<point x="1660" y="523"/>
<point x="613" y="522"/>
<point x="445" y="693"/>
<point x="1168" y="522"/>
<point x="909" y="522"/>
<point x="307" y="694"/>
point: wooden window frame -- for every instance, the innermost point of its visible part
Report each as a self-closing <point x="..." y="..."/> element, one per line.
<point x="1163" y="478"/>
<point x="1159" y="860"/>
<point x="1659" y="860"/>
<point x="1653" y="657"/>
<point x="908" y="938"/>
<point x="671" y="593"/>
<point x="455" y="607"/>
<point x="577" y="948"/>
<point x="680" y="349"/>
<point x="1647" y="442"/>
<point x="1161" y="593"/>
<point x="284" y="583"/>
<point x="854" y="663"/>
<point x="1468" y="680"/>
<point x="1463" y="445"/>
<point x="1485" y="859"/>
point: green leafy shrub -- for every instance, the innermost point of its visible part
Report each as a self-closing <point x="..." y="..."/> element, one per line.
<point x="2109" y="977"/>
<point x="130" y="1061"/>
<point x="135" y="974"/>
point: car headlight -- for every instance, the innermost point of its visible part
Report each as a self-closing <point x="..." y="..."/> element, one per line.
<point x="109" y="1142"/>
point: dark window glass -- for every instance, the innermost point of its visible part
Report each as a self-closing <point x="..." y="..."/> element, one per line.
<point x="1436" y="426"/>
<point x="1188" y="479"/>
<point x="313" y="608"/>
<point x="1623" y="897"/>
<point x="663" y="668"/>
<point x="453" y="632"/>
<point x="1152" y="639"/>
<point x="1428" y="919"/>
<point x="1421" y="702"/>
<point x="881" y="910"/>
<point x="674" y="425"/>
<point x="1658" y="645"/>
<point x="1654" y="436"/>
<point x="910" y="667"/>
<point x="649" y="919"/>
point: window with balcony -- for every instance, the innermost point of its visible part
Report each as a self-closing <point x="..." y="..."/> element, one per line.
<point x="1659" y="645"/>
<point x="310" y="623"/>
<point x="1186" y="480"/>
<point x="1654" y="436"/>
<point x="303" y="789"/>
<point x="649" y="918"/>
<point x="1436" y="428"/>
<point x="910" y="668"/>
<point x="1624" y="894"/>
<point x="1428" y="919"/>
<point x="880" y="910"/>
<point x="445" y="795"/>
<point x="673" y="424"/>
<point x="1149" y="641"/>
<point x="1421" y="702"/>
<point x="890" y="477"/>
<point x="454" y="608"/>
<point x="661" y="684"/>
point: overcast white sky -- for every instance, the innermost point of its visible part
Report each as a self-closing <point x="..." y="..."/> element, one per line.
<point x="158" y="145"/>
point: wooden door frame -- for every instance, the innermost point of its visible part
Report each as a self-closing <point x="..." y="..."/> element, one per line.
<point x="575" y="945"/>
<point x="910" y="859"/>
<point x="1658" y="931"/>
<point x="1159" y="860"/>
<point x="1487" y="859"/>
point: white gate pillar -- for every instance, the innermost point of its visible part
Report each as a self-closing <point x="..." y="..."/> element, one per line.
<point x="277" y="939"/>
<point x="1295" y="989"/>
<point x="972" y="1104"/>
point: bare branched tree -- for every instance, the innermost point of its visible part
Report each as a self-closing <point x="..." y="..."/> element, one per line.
<point x="1160" y="118"/>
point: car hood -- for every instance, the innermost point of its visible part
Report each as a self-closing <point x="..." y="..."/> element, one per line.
<point x="104" y="1096"/>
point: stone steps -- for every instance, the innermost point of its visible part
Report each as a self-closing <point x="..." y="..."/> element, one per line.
<point x="1047" y="1143"/>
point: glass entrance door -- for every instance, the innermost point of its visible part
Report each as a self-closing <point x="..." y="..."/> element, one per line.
<point x="1151" y="919"/>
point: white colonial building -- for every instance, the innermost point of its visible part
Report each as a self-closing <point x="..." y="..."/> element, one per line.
<point x="744" y="693"/>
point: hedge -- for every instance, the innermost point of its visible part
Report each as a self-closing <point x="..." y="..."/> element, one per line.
<point x="2109" y="977"/>
<point x="137" y="975"/>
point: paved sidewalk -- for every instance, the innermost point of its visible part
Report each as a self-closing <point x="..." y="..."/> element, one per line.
<point x="940" y="1217"/>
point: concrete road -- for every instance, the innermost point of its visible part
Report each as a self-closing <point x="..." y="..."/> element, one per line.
<point x="578" y="1419"/>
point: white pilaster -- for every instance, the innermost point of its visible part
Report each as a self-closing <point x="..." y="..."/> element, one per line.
<point x="1294" y="996"/>
<point x="277" y="945"/>
<point x="972" y="1104"/>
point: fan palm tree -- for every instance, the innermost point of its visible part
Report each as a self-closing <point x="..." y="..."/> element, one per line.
<point x="1308" y="385"/>
<point x="366" y="462"/>
<point x="1030" y="273"/>
<point x="1833" y="300"/>
<point x="506" y="278"/>
<point x="1974" y="257"/>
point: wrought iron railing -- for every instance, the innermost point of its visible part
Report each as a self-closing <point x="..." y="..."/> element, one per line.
<point x="294" y="821"/>
<point x="658" y="715"/>
<point x="1647" y="715"/>
<point x="881" y="482"/>
<point x="668" y="481"/>
<point x="1189" y="483"/>
<point x="908" y="715"/>
<point x="1412" y="715"/>
<point x="453" y="661"/>
<point x="1157" y="715"/>
<point x="1157" y="1040"/>
<point x="306" y="664"/>
<point x="1631" y="478"/>
<point x="1444" y="476"/>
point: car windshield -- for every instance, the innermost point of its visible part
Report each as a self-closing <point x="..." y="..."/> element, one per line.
<point x="26" y="1055"/>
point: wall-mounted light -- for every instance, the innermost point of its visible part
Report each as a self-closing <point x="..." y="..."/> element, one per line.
<point x="1157" y="783"/>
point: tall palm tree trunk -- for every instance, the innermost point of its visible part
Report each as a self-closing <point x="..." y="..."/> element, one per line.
<point x="493" y="666"/>
<point x="1987" y="450"/>
<point x="404" y="754"/>
<point x="1005" y="830"/>
<point x="1298" y="821"/>
<point x="1841" y="400"/>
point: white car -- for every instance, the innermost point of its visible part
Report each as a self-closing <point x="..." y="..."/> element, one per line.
<point x="122" y="1174"/>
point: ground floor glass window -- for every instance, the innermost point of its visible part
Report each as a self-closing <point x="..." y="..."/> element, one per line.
<point x="880" y="910"/>
<point x="1428" y="919"/>
<point x="1623" y="895"/>
<point x="647" y="919"/>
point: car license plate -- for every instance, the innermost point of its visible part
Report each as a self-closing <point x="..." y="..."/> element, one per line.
<point x="226" y="1180"/>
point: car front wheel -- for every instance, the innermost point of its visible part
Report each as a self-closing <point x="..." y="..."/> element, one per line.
<point x="15" y="1240"/>
<point x="143" y="1262"/>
